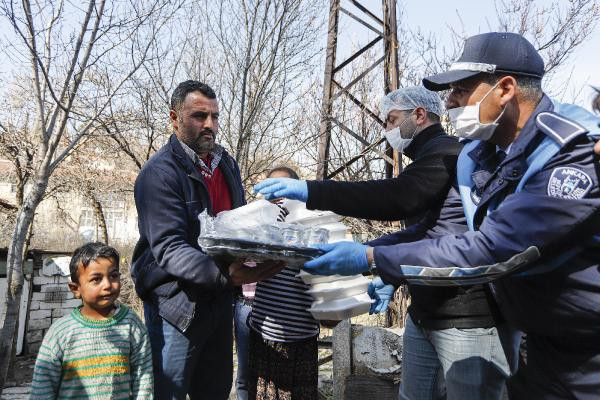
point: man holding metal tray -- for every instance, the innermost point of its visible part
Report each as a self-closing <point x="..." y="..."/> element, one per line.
<point x="187" y="294"/>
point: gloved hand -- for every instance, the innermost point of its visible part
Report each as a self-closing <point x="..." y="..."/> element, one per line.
<point x="381" y="293"/>
<point x="289" y="188"/>
<point x="341" y="258"/>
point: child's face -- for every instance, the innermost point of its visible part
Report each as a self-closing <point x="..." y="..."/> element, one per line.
<point x="99" y="286"/>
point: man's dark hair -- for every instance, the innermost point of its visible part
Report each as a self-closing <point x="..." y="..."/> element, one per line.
<point x="596" y="101"/>
<point x="291" y="173"/>
<point x="182" y="90"/>
<point x="89" y="252"/>
<point x="530" y="87"/>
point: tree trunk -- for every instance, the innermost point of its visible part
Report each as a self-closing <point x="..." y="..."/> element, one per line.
<point x="8" y="335"/>
<point x="14" y="276"/>
<point x="99" y="213"/>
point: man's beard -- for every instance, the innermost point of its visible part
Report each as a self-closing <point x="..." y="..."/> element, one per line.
<point x="204" y="144"/>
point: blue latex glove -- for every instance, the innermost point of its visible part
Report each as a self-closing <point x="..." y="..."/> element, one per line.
<point x="381" y="293"/>
<point x="341" y="258"/>
<point x="273" y="188"/>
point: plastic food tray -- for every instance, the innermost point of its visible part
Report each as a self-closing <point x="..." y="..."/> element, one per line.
<point x="257" y="251"/>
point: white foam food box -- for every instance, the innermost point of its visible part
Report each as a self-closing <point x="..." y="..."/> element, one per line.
<point x="339" y="289"/>
<point x="339" y="309"/>
<point x="336" y="297"/>
<point x="311" y="279"/>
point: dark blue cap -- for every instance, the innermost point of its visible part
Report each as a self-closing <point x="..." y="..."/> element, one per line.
<point x="493" y="52"/>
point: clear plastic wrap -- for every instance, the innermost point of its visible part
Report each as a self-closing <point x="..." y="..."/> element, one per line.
<point x="252" y="231"/>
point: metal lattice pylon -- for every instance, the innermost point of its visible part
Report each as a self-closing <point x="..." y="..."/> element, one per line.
<point x="332" y="89"/>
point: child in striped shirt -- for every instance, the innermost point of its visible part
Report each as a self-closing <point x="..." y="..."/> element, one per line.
<point x="283" y="352"/>
<point x="101" y="350"/>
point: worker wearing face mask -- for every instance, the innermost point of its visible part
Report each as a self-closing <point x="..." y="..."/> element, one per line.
<point x="412" y="120"/>
<point x="528" y="177"/>
<point x="450" y="333"/>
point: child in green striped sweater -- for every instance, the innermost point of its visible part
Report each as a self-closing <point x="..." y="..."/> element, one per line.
<point x="101" y="350"/>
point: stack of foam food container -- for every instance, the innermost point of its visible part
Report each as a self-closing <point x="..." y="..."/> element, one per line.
<point x="336" y="297"/>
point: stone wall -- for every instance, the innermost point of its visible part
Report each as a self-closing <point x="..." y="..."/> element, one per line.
<point x="50" y="300"/>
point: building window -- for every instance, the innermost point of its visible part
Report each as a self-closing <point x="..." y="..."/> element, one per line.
<point x="87" y="219"/>
<point x="113" y="220"/>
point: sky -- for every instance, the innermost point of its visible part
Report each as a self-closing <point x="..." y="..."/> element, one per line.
<point x="438" y="16"/>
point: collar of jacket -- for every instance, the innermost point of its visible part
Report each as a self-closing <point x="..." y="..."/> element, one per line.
<point x="491" y="178"/>
<point x="416" y="146"/>
<point x="184" y="160"/>
<point x="232" y="179"/>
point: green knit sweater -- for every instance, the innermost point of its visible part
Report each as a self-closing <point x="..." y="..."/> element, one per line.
<point x="88" y="359"/>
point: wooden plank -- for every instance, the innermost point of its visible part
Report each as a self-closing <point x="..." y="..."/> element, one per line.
<point x="23" y="311"/>
<point x="325" y="359"/>
<point x="342" y="357"/>
<point x="360" y="387"/>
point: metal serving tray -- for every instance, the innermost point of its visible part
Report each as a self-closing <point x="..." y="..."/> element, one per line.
<point x="257" y="251"/>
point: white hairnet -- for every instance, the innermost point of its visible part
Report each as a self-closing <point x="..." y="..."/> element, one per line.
<point x="409" y="98"/>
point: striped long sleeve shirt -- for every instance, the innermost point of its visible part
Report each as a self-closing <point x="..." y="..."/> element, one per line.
<point x="87" y="359"/>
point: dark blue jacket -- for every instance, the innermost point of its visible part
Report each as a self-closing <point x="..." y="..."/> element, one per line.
<point x="168" y="267"/>
<point x="565" y="301"/>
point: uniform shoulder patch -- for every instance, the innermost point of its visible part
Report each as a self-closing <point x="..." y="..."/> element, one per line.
<point x="558" y="127"/>
<point x="569" y="183"/>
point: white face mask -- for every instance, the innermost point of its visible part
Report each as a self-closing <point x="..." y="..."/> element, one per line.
<point x="465" y="121"/>
<point x="395" y="139"/>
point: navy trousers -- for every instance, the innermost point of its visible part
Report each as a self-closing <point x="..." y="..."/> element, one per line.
<point x="197" y="362"/>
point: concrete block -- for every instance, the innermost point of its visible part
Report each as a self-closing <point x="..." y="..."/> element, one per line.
<point x="54" y="288"/>
<point x="39" y="323"/>
<point x="34" y="305"/>
<point x="49" y="306"/>
<point x="49" y="280"/>
<point x="71" y="303"/>
<point x="35" y="335"/>
<point x="38" y="296"/>
<point x="60" y="312"/>
<point x="39" y="314"/>
<point x="56" y="266"/>
<point x="52" y="297"/>
<point x="34" y="347"/>
<point x="377" y="351"/>
<point x="64" y="304"/>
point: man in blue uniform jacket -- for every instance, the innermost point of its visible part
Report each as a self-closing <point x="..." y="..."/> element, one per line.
<point x="527" y="177"/>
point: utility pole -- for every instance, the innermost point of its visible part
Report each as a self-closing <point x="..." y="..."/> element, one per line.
<point x="326" y="105"/>
<point x="386" y="30"/>
<point x="390" y="72"/>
